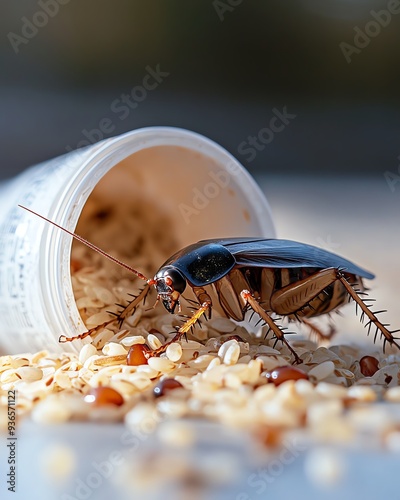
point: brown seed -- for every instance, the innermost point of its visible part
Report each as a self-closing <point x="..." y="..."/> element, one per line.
<point x="269" y="436"/>
<point x="282" y="373"/>
<point x="369" y="366"/>
<point x="166" y="385"/>
<point x="136" y="355"/>
<point x="100" y="396"/>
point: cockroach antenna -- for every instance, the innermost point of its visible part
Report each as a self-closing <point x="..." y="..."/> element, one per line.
<point x="90" y="245"/>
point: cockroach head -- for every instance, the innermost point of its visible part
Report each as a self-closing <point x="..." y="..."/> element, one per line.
<point x="170" y="284"/>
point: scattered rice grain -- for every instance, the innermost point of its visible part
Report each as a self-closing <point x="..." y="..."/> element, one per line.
<point x="130" y="341"/>
<point x="163" y="365"/>
<point x="174" y="352"/>
<point x="113" y="349"/>
<point x="362" y="393"/>
<point x="86" y="352"/>
<point x="321" y="371"/>
<point x="222" y="325"/>
<point x="393" y="394"/>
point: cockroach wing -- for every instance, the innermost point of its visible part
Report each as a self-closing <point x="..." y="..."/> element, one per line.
<point x="255" y="252"/>
<point x="202" y="263"/>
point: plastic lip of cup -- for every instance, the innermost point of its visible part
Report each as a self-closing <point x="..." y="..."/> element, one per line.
<point x="204" y="190"/>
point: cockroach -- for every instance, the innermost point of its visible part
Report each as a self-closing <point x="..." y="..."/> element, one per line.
<point x="270" y="277"/>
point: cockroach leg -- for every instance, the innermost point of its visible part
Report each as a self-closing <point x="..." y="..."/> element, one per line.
<point x="291" y="298"/>
<point x="366" y="311"/>
<point x="63" y="339"/>
<point x="206" y="306"/>
<point x="131" y="307"/>
<point x="187" y="325"/>
<point x="251" y="301"/>
<point x="119" y="317"/>
<point x="320" y="334"/>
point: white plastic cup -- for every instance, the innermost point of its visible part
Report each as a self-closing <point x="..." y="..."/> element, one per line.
<point x="204" y="190"/>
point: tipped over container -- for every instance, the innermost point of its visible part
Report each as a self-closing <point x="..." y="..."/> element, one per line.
<point x="194" y="187"/>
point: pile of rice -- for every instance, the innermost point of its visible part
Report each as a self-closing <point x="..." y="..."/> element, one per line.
<point x="222" y="367"/>
<point x="223" y="371"/>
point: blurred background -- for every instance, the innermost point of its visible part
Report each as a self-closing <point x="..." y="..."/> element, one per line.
<point x="226" y="66"/>
<point x="305" y="93"/>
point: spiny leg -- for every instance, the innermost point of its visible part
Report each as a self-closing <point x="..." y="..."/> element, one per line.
<point x="63" y="338"/>
<point x="120" y="317"/>
<point x="131" y="307"/>
<point x="320" y="334"/>
<point x="365" y="309"/>
<point x="295" y="296"/>
<point x="203" y="309"/>
<point x="251" y="301"/>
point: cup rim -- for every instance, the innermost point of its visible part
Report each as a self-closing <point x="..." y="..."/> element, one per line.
<point x="107" y="154"/>
<point x="175" y="136"/>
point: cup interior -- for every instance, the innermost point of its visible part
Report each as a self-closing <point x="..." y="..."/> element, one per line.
<point x="196" y="195"/>
<point x="146" y="195"/>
